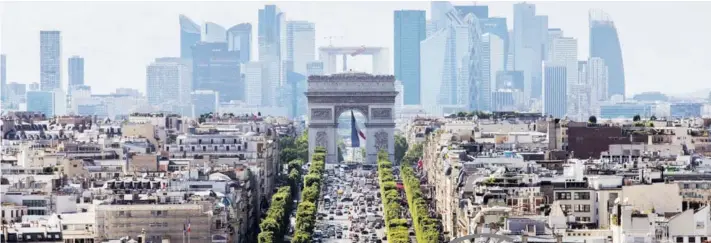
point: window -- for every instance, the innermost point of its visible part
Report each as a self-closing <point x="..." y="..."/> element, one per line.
<point x="204" y="148"/>
<point x="121" y="213"/>
<point x="199" y="141"/>
<point x="215" y="148"/>
<point x="679" y="239"/>
<point x="193" y="148"/>
<point x="562" y="196"/>
<point x="181" y="148"/>
<point x="566" y="207"/>
<point x="223" y="140"/>
<point x="582" y="208"/>
<point x="228" y="148"/>
<point x="686" y="186"/>
<point x="582" y="196"/>
<point x="167" y="148"/>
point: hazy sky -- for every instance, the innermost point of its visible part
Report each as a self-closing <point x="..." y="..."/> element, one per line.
<point x="666" y="45"/>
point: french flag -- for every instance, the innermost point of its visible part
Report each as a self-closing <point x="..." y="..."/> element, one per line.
<point x="355" y="133"/>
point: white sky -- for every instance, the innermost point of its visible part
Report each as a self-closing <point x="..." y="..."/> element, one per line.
<point x="665" y="44"/>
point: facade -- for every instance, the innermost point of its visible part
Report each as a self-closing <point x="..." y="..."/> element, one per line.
<point x="212" y="32"/>
<point x="268" y="32"/>
<point x="168" y="84"/>
<point x="205" y="101"/>
<point x="254" y="83"/>
<point x="554" y="90"/>
<point x="498" y="27"/>
<point x="116" y="221"/>
<point x="301" y="45"/>
<point x="41" y="101"/>
<point x="529" y="37"/>
<point x="624" y="110"/>
<point x="605" y="44"/>
<point x="685" y="110"/>
<point x="50" y="60"/>
<point x="76" y="71"/>
<point x="218" y="69"/>
<point x="189" y="36"/>
<point x="314" y="68"/>
<point x="239" y="39"/>
<point x="597" y="78"/>
<point x="564" y="50"/>
<point x="410" y="30"/>
<point x="493" y="62"/>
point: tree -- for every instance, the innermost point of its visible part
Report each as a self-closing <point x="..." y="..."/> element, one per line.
<point x="592" y="119"/>
<point x="400" y="147"/>
<point x="637" y="118"/>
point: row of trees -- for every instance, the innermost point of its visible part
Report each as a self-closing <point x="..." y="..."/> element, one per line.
<point x="294" y="148"/>
<point x="275" y="225"/>
<point x="306" y="212"/>
<point x="395" y="226"/>
<point x="425" y="227"/>
<point x="413" y="154"/>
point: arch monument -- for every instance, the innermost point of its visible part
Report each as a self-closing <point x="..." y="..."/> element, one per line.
<point x="330" y="96"/>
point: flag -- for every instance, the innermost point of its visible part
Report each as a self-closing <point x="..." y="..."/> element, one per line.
<point x="355" y="133"/>
<point x="188" y="225"/>
<point x="419" y="164"/>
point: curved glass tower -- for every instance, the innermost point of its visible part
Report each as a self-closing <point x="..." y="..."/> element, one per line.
<point x="214" y="33"/>
<point x="605" y="44"/>
<point x="189" y="36"/>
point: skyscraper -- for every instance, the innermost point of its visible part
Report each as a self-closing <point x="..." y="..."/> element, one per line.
<point x="213" y="33"/>
<point x="50" y="60"/>
<point x="253" y="81"/>
<point x="497" y="26"/>
<point x="76" y="71"/>
<point x="529" y="35"/>
<point x="3" y="80"/>
<point x="314" y="68"/>
<point x="554" y="87"/>
<point x="268" y="31"/>
<point x="410" y="29"/>
<point x="215" y="68"/>
<point x="301" y="45"/>
<point x="239" y="38"/>
<point x="480" y="11"/>
<point x="168" y="84"/>
<point x="493" y="62"/>
<point x="189" y="36"/>
<point x="564" y="51"/>
<point x="605" y="44"/>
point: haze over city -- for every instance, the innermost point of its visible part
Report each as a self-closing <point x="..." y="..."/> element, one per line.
<point x="662" y="44"/>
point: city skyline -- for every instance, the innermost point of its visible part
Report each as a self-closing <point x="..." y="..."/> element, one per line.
<point x="645" y="52"/>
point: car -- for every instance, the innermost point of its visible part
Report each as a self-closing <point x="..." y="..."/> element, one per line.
<point x="339" y="213"/>
<point x="330" y="217"/>
<point x="331" y="212"/>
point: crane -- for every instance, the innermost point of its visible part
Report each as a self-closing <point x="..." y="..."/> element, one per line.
<point x="331" y="38"/>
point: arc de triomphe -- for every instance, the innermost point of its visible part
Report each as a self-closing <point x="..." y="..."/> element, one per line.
<point x="372" y="95"/>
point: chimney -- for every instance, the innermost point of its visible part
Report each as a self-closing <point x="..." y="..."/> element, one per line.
<point x="524" y="237"/>
<point x="559" y="238"/>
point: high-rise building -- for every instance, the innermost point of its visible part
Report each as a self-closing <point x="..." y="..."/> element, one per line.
<point x="213" y="32"/>
<point x="480" y="11"/>
<point x="564" y="51"/>
<point x="410" y="30"/>
<point x="509" y="80"/>
<point x="554" y="90"/>
<point x="498" y="27"/>
<point x="529" y="37"/>
<point x="41" y="101"/>
<point x="597" y="76"/>
<point x="218" y="69"/>
<point x="76" y="71"/>
<point x="3" y="79"/>
<point x="16" y="94"/>
<point x="605" y="44"/>
<point x="268" y="31"/>
<point x="50" y="60"/>
<point x="493" y="62"/>
<point x="301" y="45"/>
<point x="254" y="83"/>
<point x="205" y="101"/>
<point x="239" y="39"/>
<point x="271" y="38"/>
<point x="189" y="36"/>
<point x="168" y="84"/>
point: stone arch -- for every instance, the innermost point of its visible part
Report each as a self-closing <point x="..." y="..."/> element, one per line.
<point x="372" y="95"/>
